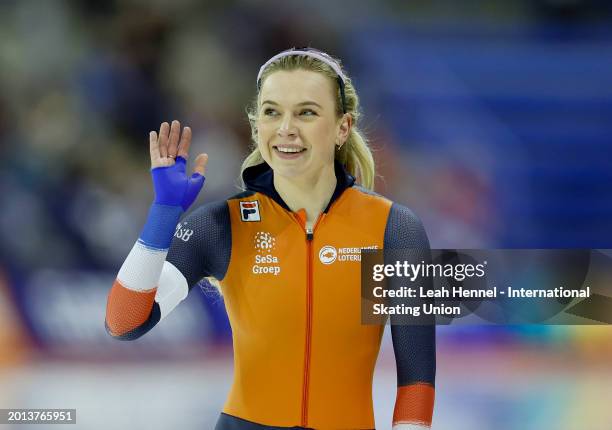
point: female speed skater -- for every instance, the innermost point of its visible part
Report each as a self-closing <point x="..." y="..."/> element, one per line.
<point x="278" y="252"/>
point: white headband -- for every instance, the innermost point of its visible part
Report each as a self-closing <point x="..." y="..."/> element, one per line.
<point x="321" y="56"/>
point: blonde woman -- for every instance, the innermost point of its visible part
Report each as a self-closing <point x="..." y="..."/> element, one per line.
<point x="285" y="254"/>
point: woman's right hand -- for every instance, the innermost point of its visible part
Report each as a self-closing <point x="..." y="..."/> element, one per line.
<point x="169" y="154"/>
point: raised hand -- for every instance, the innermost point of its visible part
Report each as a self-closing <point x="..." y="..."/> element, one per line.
<point x="166" y="147"/>
<point x="169" y="153"/>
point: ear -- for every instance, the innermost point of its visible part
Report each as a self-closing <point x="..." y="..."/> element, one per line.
<point x="344" y="128"/>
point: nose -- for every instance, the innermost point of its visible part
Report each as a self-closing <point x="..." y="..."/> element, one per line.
<point x="286" y="127"/>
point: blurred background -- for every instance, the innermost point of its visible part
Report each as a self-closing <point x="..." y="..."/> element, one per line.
<point x="492" y="120"/>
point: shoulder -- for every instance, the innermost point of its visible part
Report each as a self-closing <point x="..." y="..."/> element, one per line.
<point x="215" y="214"/>
<point x="218" y="209"/>
<point x="402" y="214"/>
<point x="367" y="193"/>
<point x="202" y="242"/>
<point x="242" y="195"/>
<point x="397" y="212"/>
<point x="404" y="229"/>
<point x="214" y="211"/>
<point x="368" y="198"/>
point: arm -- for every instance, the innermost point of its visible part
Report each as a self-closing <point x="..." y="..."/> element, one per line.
<point x="132" y="308"/>
<point x="414" y="345"/>
<point x="200" y="248"/>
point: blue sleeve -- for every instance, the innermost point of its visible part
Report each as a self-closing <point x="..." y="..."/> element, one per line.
<point x="414" y="345"/>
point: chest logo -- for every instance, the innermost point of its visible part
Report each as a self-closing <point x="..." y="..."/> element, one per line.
<point x="265" y="260"/>
<point x="249" y="211"/>
<point x="328" y="254"/>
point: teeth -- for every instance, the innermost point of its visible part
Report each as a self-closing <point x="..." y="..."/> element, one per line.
<point x="289" y="149"/>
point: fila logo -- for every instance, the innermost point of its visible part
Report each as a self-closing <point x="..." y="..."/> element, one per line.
<point x="249" y="211"/>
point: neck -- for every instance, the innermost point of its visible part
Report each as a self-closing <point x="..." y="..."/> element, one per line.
<point x="311" y="194"/>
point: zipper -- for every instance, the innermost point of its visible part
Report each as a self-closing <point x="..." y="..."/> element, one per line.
<point x="308" y="337"/>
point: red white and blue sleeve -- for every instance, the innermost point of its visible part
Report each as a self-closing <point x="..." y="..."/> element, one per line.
<point x="169" y="257"/>
<point x="414" y="345"/>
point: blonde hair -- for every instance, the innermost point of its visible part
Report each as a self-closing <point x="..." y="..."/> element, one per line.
<point x="355" y="155"/>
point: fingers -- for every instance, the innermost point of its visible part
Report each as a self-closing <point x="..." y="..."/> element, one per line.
<point x="200" y="164"/>
<point x="166" y="146"/>
<point x="164" y="129"/>
<point x="154" y="149"/>
<point x="175" y="131"/>
<point x="183" y="148"/>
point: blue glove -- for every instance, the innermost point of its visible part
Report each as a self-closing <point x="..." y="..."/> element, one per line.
<point x="173" y="187"/>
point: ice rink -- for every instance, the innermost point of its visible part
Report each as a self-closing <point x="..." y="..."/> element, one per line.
<point x="477" y="387"/>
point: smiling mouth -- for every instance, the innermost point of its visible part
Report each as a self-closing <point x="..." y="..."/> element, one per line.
<point x="289" y="150"/>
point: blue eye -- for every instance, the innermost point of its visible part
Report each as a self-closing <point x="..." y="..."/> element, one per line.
<point x="309" y="112"/>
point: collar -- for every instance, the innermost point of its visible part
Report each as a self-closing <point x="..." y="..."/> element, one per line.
<point x="260" y="178"/>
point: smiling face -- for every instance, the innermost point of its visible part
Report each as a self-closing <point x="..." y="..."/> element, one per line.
<point x="297" y="123"/>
